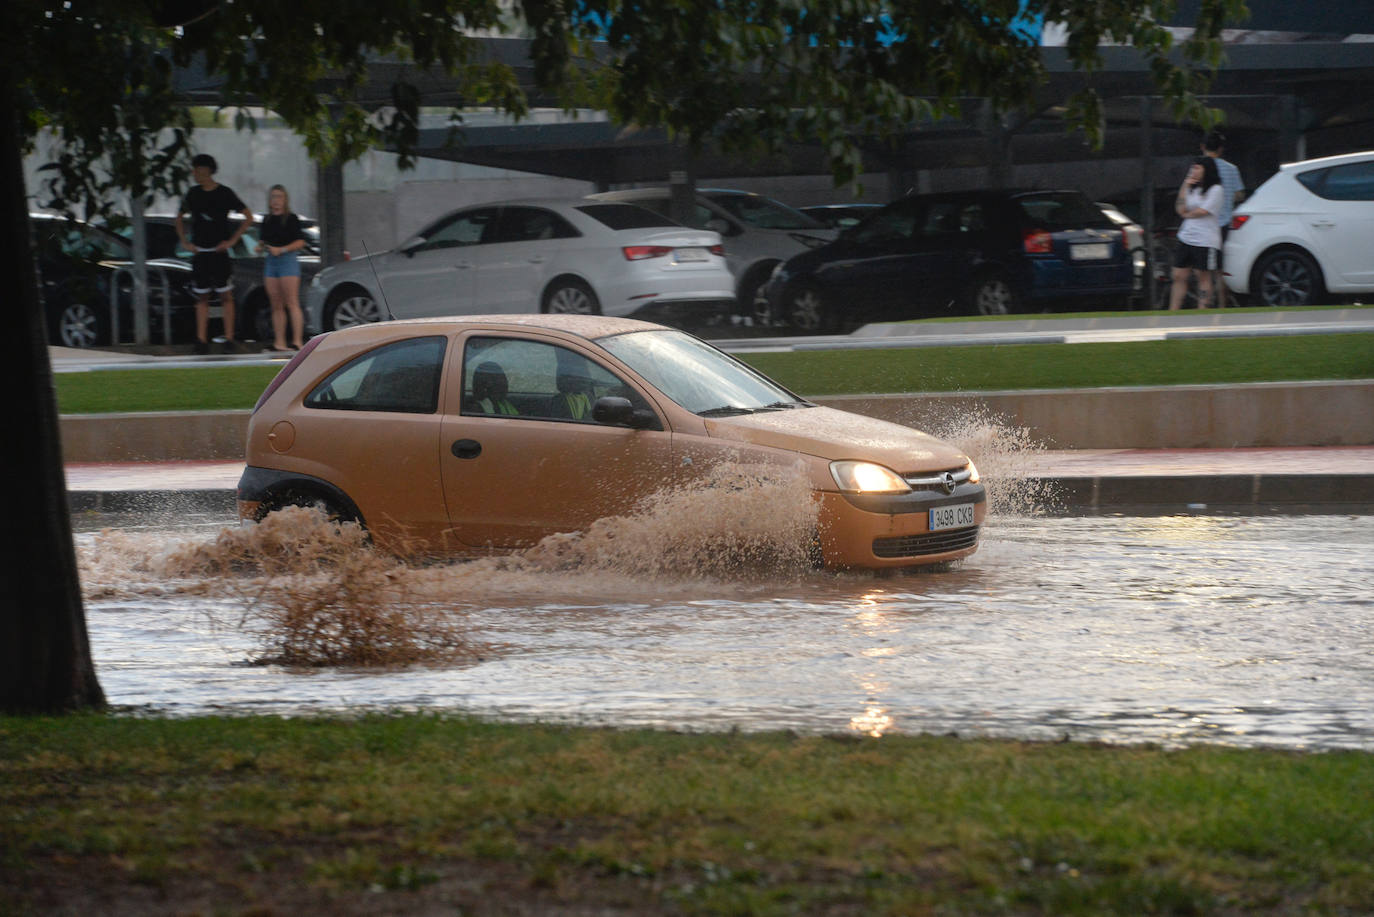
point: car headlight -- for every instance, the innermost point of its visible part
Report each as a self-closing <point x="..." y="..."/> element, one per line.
<point x="867" y="478"/>
<point x="972" y="472"/>
<point x="317" y="281"/>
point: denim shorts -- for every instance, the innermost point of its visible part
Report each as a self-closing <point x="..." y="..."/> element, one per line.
<point x="283" y="265"/>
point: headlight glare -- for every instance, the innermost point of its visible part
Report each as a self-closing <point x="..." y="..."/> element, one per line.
<point x="972" y="472"/>
<point x="867" y="478"/>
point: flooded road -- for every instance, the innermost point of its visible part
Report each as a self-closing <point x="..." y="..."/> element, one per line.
<point x="1251" y="631"/>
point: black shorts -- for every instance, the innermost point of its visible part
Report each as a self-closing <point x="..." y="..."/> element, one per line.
<point x="1197" y="257"/>
<point x="210" y="271"/>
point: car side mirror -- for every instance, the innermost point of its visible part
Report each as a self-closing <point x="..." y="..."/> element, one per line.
<point x="724" y="227"/>
<point x="617" y="411"/>
<point x="412" y="246"/>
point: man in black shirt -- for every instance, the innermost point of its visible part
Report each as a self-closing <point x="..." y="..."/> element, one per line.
<point x="211" y="237"/>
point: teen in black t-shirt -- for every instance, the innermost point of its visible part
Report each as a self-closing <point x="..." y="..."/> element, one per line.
<point x="211" y="236"/>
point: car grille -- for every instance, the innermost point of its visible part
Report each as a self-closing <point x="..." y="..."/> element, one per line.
<point x="921" y="545"/>
<point x="939" y="480"/>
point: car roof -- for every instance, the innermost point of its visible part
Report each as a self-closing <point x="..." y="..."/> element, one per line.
<point x="1325" y="161"/>
<point x="590" y="327"/>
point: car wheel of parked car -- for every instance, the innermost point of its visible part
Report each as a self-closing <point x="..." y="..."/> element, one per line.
<point x="351" y="306"/>
<point x="991" y="295"/>
<point x="1287" y="277"/>
<point x="571" y="296"/>
<point x="256" y="324"/>
<point x="750" y="303"/>
<point x="80" y="325"/>
<point x="805" y="310"/>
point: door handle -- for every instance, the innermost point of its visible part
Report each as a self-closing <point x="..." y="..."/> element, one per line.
<point x="536" y="259"/>
<point x="466" y="448"/>
<point x="462" y="265"/>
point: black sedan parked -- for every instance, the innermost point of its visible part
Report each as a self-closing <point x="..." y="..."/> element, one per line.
<point x="84" y="269"/>
<point x="967" y="252"/>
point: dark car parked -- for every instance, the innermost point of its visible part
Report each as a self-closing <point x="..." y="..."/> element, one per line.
<point x="253" y="310"/>
<point x="83" y="269"/>
<point x="967" y="252"/>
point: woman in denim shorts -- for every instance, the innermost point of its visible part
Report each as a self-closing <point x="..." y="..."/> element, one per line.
<point x="280" y="239"/>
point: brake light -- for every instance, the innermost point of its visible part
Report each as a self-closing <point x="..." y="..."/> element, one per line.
<point x="287" y="370"/>
<point x="643" y="252"/>
<point x="1239" y="220"/>
<point x="717" y="250"/>
<point x="1037" y="242"/>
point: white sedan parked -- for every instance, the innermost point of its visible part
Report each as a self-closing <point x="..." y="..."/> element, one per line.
<point x="575" y="256"/>
<point x="1306" y="234"/>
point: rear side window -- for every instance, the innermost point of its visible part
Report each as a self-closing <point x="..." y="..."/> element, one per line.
<point x="1353" y="182"/>
<point x="401" y="377"/>
<point x="1058" y="210"/>
<point x="532" y="224"/>
<point x="625" y="216"/>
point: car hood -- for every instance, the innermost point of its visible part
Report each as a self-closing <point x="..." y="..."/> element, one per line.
<point x="832" y="434"/>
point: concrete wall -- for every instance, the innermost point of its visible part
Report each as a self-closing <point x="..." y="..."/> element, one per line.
<point x="1266" y="414"/>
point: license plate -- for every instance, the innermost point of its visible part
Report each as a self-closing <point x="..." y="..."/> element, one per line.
<point x="1094" y="252"/>
<point x="955" y="516"/>
<point x="691" y="254"/>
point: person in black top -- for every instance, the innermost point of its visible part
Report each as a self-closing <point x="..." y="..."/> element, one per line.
<point x="280" y="239"/>
<point x="211" y="236"/>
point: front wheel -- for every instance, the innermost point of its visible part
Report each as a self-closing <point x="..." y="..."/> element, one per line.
<point x="993" y="295"/>
<point x="804" y="309"/>
<point x="354" y="307"/>
<point x="571" y="297"/>
<point x="1287" y="277"/>
<point x="79" y="325"/>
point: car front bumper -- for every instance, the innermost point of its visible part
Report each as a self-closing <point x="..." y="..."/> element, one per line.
<point x="883" y="531"/>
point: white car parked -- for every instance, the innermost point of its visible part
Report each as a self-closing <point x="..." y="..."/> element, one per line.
<point x="547" y="255"/>
<point x="1305" y="233"/>
<point x="760" y="233"/>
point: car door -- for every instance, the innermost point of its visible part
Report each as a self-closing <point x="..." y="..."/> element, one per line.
<point x="434" y="273"/>
<point x="510" y="479"/>
<point x="1342" y="227"/>
<point x="899" y="265"/>
<point x="512" y="268"/>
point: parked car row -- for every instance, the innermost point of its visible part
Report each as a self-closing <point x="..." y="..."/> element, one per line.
<point x="80" y="264"/>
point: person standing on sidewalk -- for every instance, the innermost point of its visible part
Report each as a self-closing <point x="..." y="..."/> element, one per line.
<point x="209" y="204"/>
<point x="1233" y="192"/>
<point x="280" y="239"/>
<point x="1199" y="238"/>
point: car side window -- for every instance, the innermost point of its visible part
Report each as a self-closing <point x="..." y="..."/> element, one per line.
<point x="472" y="227"/>
<point x="894" y="223"/>
<point x="401" y="377"/>
<point x="533" y="224"/>
<point x="1353" y="182"/>
<point x="522" y="378"/>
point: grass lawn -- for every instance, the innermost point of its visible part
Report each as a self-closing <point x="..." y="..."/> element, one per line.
<point x="407" y="814"/>
<point x="970" y="368"/>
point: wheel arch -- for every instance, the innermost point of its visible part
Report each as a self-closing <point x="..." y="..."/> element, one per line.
<point x="273" y="490"/>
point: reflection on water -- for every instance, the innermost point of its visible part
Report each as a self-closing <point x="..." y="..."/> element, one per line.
<point x="1248" y="631"/>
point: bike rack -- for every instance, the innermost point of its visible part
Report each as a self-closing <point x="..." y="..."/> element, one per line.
<point x="165" y="285"/>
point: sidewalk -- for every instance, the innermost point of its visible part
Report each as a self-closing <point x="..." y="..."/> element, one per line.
<point x="1141" y="481"/>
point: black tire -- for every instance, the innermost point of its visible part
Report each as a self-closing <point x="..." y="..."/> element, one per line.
<point x="331" y="509"/>
<point x="805" y="309"/>
<point x="749" y="303"/>
<point x="81" y="325"/>
<point x="256" y="323"/>
<point x="1287" y="277"/>
<point x="570" y="296"/>
<point x="349" y="306"/>
<point x="992" y="294"/>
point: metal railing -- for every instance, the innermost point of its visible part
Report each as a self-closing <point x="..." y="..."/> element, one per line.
<point x="165" y="288"/>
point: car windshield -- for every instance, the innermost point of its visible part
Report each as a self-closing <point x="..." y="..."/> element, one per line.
<point x="763" y="212"/>
<point x="696" y="375"/>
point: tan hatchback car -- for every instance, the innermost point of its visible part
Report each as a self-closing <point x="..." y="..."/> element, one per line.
<point x="477" y="434"/>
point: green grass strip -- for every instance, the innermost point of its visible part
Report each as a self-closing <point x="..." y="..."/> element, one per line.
<point x="1028" y="366"/>
<point x="418" y="810"/>
<point x="838" y="372"/>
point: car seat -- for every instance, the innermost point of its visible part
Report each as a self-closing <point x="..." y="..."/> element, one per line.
<point x="489" y="390"/>
<point x="573" y="400"/>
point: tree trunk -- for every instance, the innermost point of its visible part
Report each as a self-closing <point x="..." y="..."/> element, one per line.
<point x="45" y="655"/>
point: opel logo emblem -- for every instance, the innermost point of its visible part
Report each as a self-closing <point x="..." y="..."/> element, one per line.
<point x="949" y="483"/>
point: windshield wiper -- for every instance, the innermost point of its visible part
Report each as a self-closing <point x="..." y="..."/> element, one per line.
<point x="726" y="410"/>
<point x="786" y="405"/>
